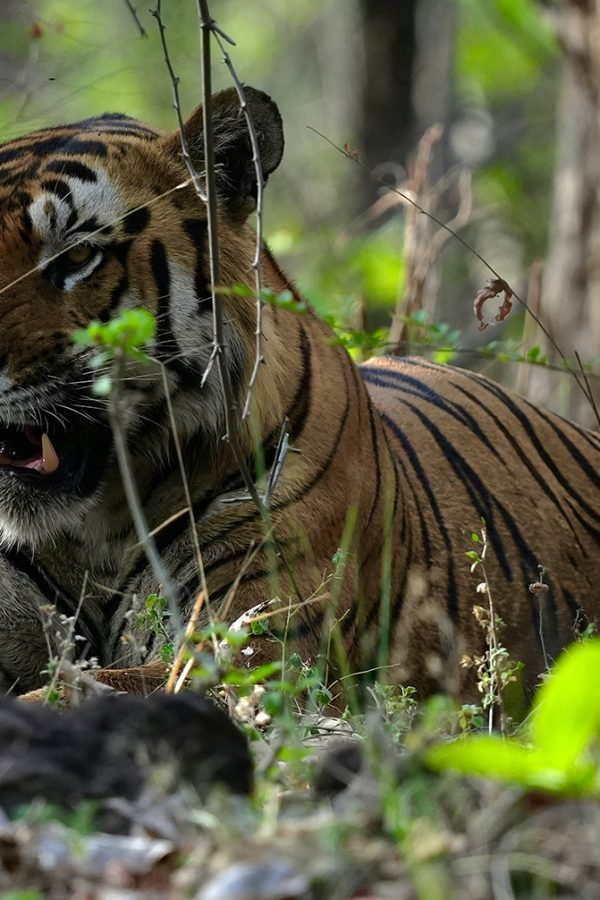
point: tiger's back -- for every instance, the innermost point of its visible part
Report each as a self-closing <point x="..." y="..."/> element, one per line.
<point x="396" y="462"/>
<point x="474" y="457"/>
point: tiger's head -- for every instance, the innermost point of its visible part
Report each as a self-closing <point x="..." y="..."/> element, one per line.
<point x="94" y="220"/>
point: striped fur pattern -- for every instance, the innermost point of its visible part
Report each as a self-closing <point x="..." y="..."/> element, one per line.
<point x="397" y="461"/>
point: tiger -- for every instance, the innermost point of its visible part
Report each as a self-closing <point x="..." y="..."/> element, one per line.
<point x="393" y="465"/>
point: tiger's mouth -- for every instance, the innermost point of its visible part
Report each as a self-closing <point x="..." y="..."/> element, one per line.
<point x="70" y="457"/>
<point x="28" y="448"/>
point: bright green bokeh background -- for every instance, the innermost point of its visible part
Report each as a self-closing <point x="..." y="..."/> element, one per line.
<point x="65" y="60"/>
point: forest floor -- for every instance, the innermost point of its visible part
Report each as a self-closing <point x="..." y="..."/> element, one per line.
<point x="342" y="807"/>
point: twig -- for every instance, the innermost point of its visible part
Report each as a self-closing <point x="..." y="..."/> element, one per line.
<point x="136" y="18"/>
<point x="189" y="630"/>
<point x="232" y="424"/>
<point x="496" y="691"/>
<point x="590" y="394"/>
<point x="133" y="498"/>
<point x="185" y="151"/>
<point x="188" y="498"/>
<point x="281" y="451"/>
<point x="258" y="359"/>
<point x="253" y="549"/>
<point x="534" y="302"/>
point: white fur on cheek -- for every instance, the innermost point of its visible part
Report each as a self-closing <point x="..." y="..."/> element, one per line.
<point x="193" y="333"/>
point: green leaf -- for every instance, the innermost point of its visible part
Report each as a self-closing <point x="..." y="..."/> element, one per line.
<point x="489" y="756"/>
<point x="167" y="653"/>
<point x="259" y="626"/>
<point x="273" y="703"/>
<point x="566" y="717"/>
<point x="235" y="290"/>
<point x="252" y="676"/>
<point x="443" y="356"/>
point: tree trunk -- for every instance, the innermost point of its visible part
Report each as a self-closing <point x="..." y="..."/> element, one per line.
<point x="570" y="299"/>
<point x="407" y="52"/>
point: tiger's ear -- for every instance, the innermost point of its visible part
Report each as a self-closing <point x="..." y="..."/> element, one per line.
<point x="235" y="172"/>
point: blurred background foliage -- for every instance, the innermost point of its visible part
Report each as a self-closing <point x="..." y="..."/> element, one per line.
<point x="371" y="75"/>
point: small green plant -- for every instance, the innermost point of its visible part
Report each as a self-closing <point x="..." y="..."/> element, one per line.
<point x="154" y="619"/>
<point x="82" y="820"/>
<point x="281" y="299"/>
<point x="359" y="343"/>
<point x="495" y="670"/>
<point x="153" y="615"/>
<point x="398" y="707"/>
<point x="557" y="752"/>
<point x="125" y="335"/>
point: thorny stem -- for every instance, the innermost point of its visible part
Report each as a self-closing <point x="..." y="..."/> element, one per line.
<point x="355" y="159"/>
<point x="185" y="151"/>
<point x="136" y="18"/>
<point x="232" y="424"/>
<point x="258" y="359"/>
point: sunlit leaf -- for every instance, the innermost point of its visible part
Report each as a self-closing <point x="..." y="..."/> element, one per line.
<point x="566" y="717"/>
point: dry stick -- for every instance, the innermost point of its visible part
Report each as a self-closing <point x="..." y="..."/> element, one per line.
<point x="231" y="425"/>
<point x="185" y="150"/>
<point x="136" y="18"/>
<point x="190" y="507"/>
<point x="591" y="397"/>
<point x="253" y="549"/>
<point x="258" y="359"/>
<point x="209" y="198"/>
<point x="134" y="501"/>
<point x="411" y="298"/>
<point x="189" y="630"/>
<point x="354" y="158"/>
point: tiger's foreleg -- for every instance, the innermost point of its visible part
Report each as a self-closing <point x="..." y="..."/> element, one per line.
<point x="29" y="631"/>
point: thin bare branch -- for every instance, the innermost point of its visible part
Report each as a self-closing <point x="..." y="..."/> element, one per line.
<point x="281" y="451"/>
<point x="188" y="499"/>
<point x="185" y="150"/>
<point x="590" y="393"/>
<point x="136" y="18"/>
<point x="231" y="423"/>
<point x="134" y="501"/>
<point x="189" y="631"/>
<point x="260" y="185"/>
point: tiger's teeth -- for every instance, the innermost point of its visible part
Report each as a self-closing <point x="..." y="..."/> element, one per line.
<point x="50" y="461"/>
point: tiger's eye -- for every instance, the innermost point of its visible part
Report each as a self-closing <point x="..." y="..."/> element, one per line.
<point x="79" y="254"/>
